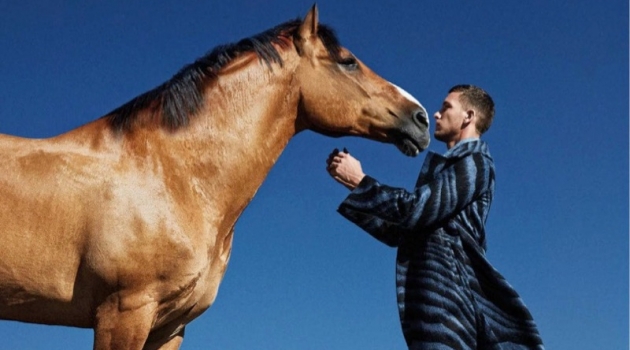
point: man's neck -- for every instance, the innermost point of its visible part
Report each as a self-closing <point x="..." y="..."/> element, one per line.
<point x="452" y="143"/>
<point x="466" y="133"/>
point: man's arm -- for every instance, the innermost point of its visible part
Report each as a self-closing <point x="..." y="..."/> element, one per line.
<point x="347" y="170"/>
<point x="382" y="230"/>
<point x="428" y="205"/>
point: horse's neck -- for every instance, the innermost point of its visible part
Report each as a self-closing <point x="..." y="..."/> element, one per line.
<point x="248" y="120"/>
<point x="222" y="157"/>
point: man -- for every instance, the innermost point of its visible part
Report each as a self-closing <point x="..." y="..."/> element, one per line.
<point x="449" y="296"/>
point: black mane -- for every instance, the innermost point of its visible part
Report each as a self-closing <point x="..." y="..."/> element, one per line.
<point x="177" y="100"/>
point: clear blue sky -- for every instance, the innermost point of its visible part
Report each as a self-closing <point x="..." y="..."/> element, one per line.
<point x="300" y="277"/>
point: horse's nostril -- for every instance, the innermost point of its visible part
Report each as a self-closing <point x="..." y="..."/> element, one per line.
<point x="420" y="116"/>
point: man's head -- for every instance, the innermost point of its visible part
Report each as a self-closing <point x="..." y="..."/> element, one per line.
<point x="467" y="111"/>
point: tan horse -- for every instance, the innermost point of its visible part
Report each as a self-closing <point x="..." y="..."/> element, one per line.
<point x="125" y="224"/>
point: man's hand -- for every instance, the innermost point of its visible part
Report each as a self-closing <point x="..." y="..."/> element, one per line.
<point x="344" y="168"/>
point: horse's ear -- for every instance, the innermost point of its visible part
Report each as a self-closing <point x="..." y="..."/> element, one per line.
<point x="308" y="28"/>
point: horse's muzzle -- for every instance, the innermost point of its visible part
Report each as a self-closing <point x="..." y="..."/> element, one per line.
<point x="412" y="137"/>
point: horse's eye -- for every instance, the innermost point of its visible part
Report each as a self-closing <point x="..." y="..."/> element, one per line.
<point x="349" y="63"/>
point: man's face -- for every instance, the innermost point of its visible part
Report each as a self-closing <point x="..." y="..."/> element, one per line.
<point x="449" y="120"/>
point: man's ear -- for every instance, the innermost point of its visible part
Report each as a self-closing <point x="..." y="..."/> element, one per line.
<point x="468" y="118"/>
<point x="470" y="114"/>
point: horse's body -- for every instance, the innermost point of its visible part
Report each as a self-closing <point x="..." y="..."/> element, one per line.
<point x="125" y="224"/>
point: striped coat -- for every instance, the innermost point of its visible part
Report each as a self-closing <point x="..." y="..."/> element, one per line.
<point x="449" y="296"/>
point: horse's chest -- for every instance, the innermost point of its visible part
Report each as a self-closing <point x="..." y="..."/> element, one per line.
<point x="198" y="294"/>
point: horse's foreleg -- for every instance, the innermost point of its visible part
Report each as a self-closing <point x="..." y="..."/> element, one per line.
<point x="123" y="328"/>
<point x="168" y="343"/>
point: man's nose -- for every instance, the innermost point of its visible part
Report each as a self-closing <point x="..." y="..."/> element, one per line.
<point x="437" y="115"/>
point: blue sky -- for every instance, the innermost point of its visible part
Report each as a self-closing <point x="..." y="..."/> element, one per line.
<point x="300" y="277"/>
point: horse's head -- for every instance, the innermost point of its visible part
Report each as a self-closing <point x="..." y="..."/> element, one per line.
<point x="339" y="95"/>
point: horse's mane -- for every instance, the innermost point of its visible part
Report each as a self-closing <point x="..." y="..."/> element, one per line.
<point x="174" y="102"/>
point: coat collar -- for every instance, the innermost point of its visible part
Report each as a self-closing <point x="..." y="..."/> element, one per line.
<point x="434" y="162"/>
<point x="466" y="147"/>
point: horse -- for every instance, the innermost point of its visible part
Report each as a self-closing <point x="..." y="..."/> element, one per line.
<point x="125" y="224"/>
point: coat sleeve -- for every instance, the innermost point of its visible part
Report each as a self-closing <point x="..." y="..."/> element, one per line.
<point x="385" y="211"/>
<point x="380" y="229"/>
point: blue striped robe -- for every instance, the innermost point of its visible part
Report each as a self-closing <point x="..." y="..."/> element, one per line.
<point x="449" y="296"/>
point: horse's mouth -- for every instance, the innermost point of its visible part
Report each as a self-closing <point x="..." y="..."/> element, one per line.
<point x="408" y="147"/>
